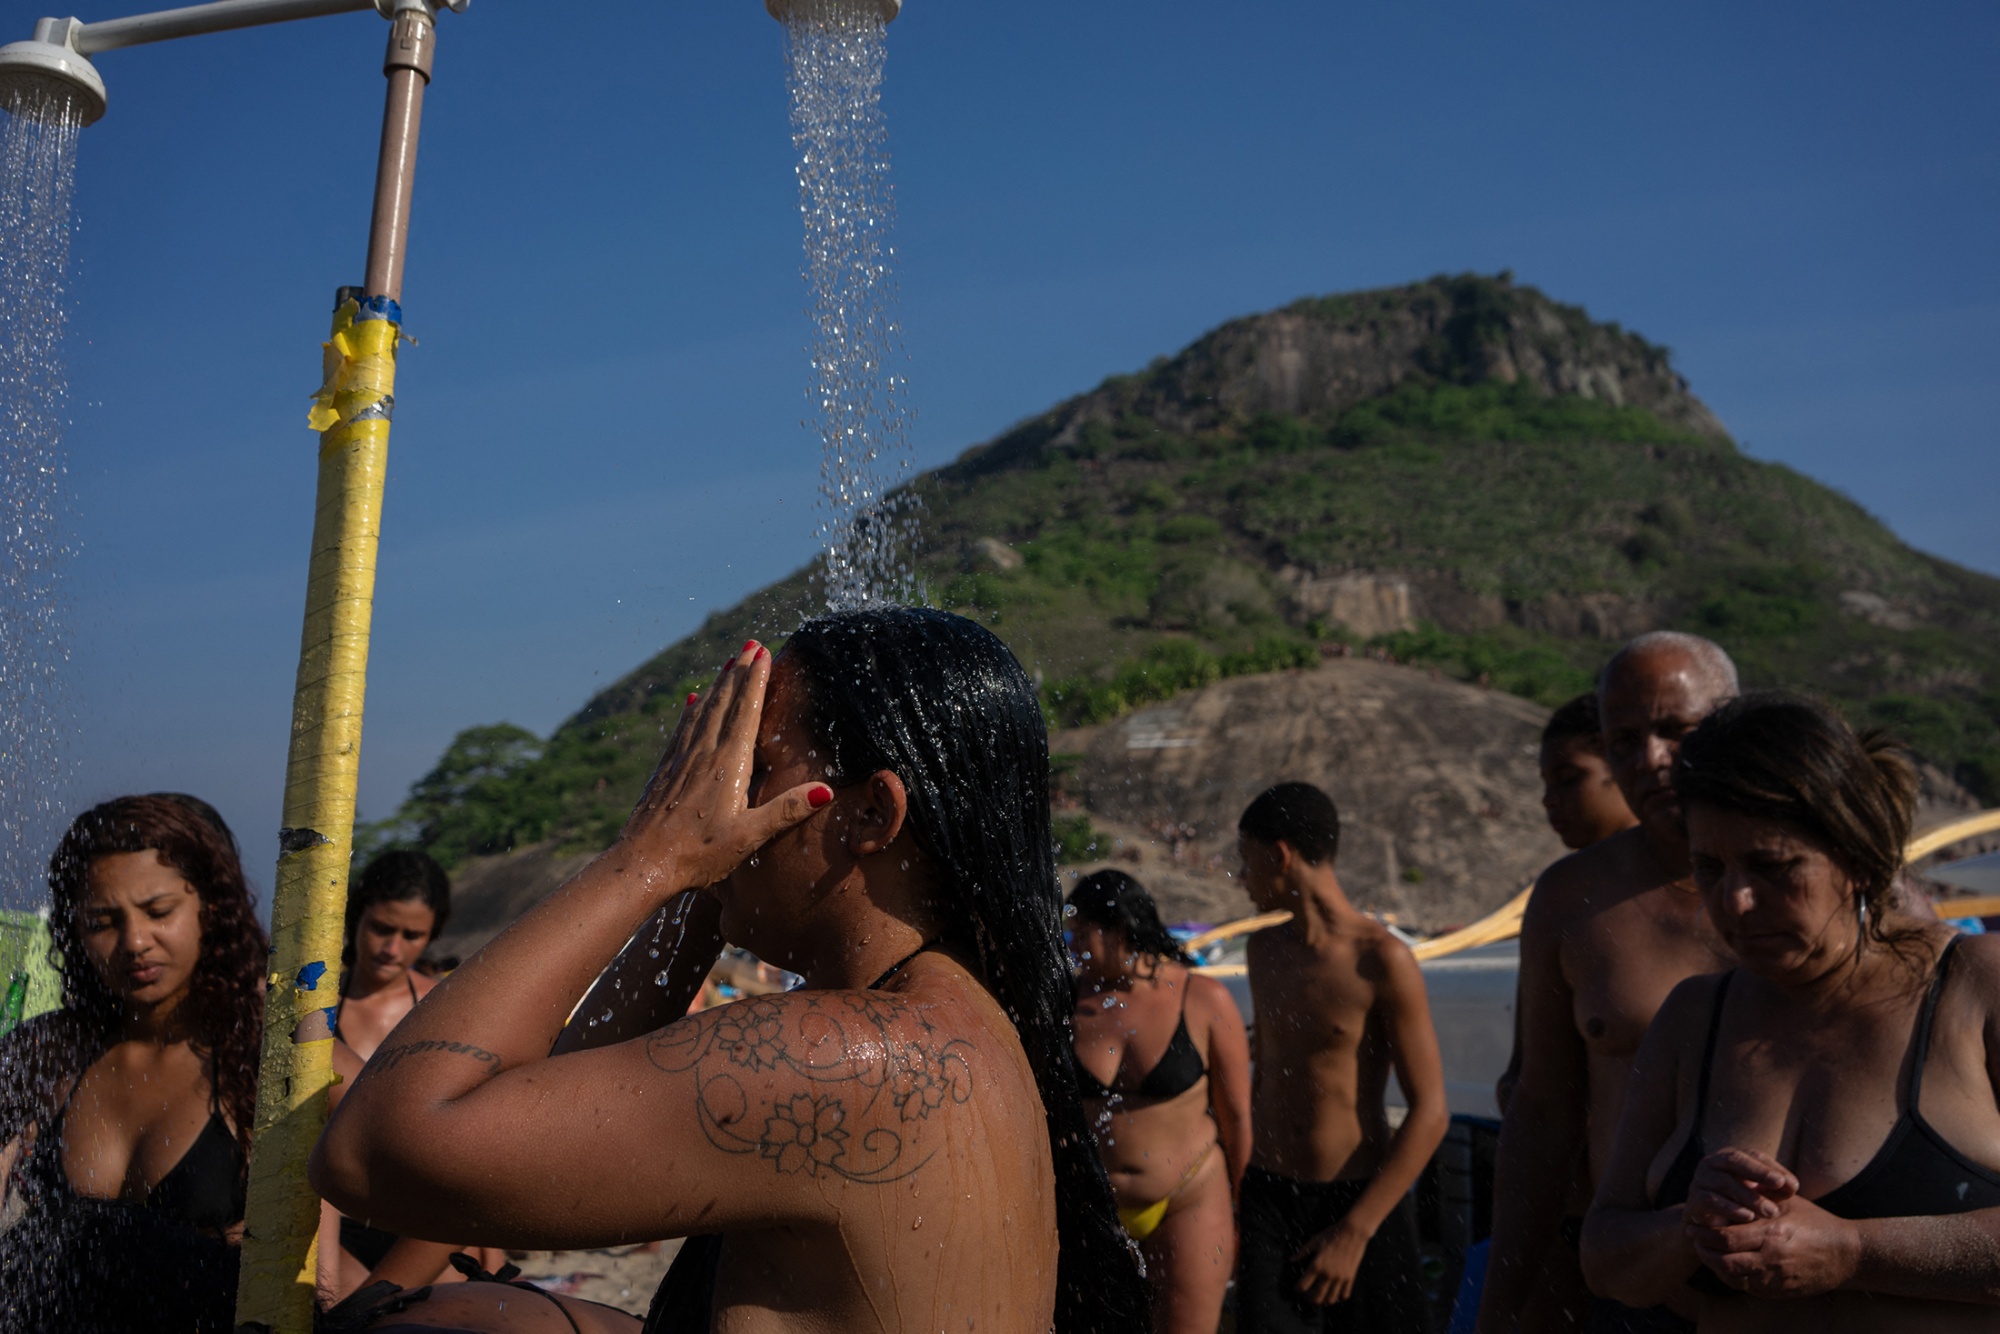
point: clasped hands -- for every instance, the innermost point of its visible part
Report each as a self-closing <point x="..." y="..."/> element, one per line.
<point x="1751" y="1227"/>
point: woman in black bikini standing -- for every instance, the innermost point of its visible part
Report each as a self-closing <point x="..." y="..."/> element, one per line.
<point x="126" y="1113"/>
<point x="1164" y="1066"/>
<point x="397" y="907"/>
<point x="1820" y="1125"/>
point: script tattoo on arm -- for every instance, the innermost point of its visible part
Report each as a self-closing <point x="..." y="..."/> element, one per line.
<point x="387" y="1058"/>
<point x="875" y="1070"/>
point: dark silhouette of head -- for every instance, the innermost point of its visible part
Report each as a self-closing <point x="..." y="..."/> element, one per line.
<point x="1298" y="814"/>
<point x="1578" y="721"/>
<point x="1115" y="901"/>
<point x="940" y="702"/>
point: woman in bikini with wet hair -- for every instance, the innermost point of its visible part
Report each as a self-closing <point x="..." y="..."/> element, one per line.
<point x="1164" y="1065"/>
<point x="896" y="1145"/>
<point x="396" y="908"/>
<point x="126" y="1113"/>
<point x="1811" y="1142"/>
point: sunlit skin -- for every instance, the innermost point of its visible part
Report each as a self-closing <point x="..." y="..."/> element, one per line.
<point x="137" y="1110"/>
<point x="1340" y="1003"/>
<point x="1580" y="794"/>
<point x="389" y="938"/>
<point x="875" y="1158"/>
<point x="1608" y="933"/>
<point x="1128" y="1008"/>
<point x="1814" y="1043"/>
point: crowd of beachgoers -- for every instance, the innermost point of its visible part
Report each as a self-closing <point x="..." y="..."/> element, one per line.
<point x="1753" y="1086"/>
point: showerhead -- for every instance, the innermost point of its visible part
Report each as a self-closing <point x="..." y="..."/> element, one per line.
<point x="786" y="10"/>
<point x="47" y="69"/>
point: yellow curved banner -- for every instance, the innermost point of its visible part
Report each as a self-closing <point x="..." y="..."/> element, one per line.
<point x="1504" y="923"/>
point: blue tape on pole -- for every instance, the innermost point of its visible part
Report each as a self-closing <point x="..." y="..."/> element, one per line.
<point x="379" y="308"/>
<point x="310" y="975"/>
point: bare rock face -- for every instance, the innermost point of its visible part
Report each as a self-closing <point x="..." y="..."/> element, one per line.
<point x="1319" y="357"/>
<point x="1440" y="798"/>
<point x="488" y="893"/>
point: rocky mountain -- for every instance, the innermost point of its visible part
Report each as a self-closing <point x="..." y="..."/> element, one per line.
<point x="1462" y="475"/>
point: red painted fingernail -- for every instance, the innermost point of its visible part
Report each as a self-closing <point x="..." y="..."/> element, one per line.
<point x="727" y="665"/>
<point x="762" y="653"/>
<point x="691" y="696"/>
<point x="749" y="644"/>
<point x="819" y="796"/>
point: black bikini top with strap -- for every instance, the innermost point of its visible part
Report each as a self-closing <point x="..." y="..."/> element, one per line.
<point x="1916" y="1173"/>
<point x="174" y="1268"/>
<point x="1179" y="1068"/>
<point x="341" y="1005"/>
<point x="205" y="1190"/>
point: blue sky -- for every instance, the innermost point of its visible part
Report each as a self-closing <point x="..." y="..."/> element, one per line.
<point x="598" y="439"/>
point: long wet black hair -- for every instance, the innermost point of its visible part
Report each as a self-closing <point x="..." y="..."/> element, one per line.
<point x="1115" y="901"/>
<point x="941" y="703"/>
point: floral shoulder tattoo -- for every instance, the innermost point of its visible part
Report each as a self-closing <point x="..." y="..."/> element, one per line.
<point x="875" y="1068"/>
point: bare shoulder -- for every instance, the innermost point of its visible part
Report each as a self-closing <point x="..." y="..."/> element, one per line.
<point x="1976" y="967"/>
<point x="1383" y="956"/>
<point x="1564" y="892"/>
<point x="1685" y="1014"/>
<point x="853" y="1085"/>
<point x="1212" y="999"/>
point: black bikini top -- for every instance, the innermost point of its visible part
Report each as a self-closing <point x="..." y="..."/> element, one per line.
<point x="205" y="1190"/>
<point x="1915" y="1174"/>
<point x="340" y="1007"/>
<point x="1179" y="1068"/>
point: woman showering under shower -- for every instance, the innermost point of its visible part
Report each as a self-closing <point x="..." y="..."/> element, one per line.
<point x="899" y="1144"/>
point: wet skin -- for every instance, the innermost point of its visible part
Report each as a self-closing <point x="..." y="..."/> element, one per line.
<point x="1609" y="932"/>
<point x="1340" y="1003"/>
<point x="1806" y="1083"/>
<point x="1127" y="1011"/>
<point x="136" y="1111"/>
<point x="389" y="938"/>
<point x="876" y="1159"/>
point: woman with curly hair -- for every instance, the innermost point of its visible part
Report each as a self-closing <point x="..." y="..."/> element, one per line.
<point x="897" y="1145"/>
<point x="1164" y="1065"/>
<point x="126" y="1113"/>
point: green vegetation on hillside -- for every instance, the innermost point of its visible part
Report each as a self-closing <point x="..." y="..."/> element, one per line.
<point x="1534" y="529"/>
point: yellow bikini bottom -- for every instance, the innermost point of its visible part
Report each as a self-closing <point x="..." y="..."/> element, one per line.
<point x="1141" y="1222"/>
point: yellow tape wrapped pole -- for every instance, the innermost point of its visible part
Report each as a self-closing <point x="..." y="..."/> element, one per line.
<point x="309" y="900"/>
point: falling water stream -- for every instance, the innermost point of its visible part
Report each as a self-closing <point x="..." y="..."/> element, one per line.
<point x="859" y="399"/>
<point x="37" y="175"/>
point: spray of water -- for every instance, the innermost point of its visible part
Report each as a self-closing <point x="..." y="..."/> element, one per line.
<point x="859" y="399"/>
<point x="37" y="174"/>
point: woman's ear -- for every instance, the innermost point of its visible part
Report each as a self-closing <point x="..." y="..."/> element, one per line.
<point x="875" y="825"/>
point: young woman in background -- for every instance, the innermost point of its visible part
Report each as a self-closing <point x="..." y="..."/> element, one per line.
<point x="1164" y="1066"/>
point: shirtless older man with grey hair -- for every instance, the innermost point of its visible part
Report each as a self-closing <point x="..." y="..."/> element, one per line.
<point x="1610" y="930"/>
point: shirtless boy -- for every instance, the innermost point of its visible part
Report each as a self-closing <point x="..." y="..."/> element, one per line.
<point x="1609" y="932"/>
<point x="1584" y="806"/>
<point x="1328" y="1240"/>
